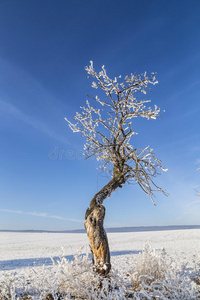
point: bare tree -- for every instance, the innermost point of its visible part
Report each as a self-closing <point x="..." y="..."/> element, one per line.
<point x="108" y="130"/>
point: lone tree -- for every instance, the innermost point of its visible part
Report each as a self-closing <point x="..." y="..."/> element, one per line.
<point x="108" y="130"/>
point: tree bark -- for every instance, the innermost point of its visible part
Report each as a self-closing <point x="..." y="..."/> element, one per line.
<point x="98" y="239"/>
<point x="96" y="233"/>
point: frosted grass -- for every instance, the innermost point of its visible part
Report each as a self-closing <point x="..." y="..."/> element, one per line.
<point x="145" y="265"/>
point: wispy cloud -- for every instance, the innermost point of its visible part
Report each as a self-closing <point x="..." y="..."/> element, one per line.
<point x="181" y="92"/>
<point x="194" y="204"/>
<point x="42" y="127"/>
<point x="17" y="87"/>
<point x="38" y="214"/>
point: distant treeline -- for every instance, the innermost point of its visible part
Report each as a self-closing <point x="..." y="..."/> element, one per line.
<point x="116" y="229"/>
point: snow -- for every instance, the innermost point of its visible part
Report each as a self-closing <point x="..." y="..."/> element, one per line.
<point x="22" y="252"/>
<point x="29" y="247"/>
<point x="24" y="248"/>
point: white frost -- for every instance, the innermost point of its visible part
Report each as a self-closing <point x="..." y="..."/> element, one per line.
<point x="108" y="130"/>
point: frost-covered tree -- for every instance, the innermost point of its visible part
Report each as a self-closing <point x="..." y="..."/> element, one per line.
<point x="107" y="127"/>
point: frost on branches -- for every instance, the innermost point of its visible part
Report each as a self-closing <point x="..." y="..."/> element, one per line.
<point x="108" y="129"/>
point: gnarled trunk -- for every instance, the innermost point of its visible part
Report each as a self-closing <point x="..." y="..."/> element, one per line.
<point x="98" y="239"/>
<point x="94" y="219"/>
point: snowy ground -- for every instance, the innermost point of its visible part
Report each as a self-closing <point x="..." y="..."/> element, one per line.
<point x="20" y="251"/>
<point x="27" y="249"/>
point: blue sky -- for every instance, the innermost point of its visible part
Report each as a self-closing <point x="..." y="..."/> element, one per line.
<point x="44" y="46"/>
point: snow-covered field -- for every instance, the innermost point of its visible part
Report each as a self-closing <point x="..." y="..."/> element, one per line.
<point x="27" y="268"/>
<point x="27" y="249"/>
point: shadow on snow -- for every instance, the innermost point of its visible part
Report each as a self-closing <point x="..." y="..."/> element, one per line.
<point x="38" y="262"/>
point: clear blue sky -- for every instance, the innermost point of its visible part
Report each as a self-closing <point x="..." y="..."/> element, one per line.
<point x="44" y="46"/>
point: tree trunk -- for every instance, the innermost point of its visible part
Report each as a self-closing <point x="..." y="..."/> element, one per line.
<point x="94" y="219"/>
<point x="98" y="239"/>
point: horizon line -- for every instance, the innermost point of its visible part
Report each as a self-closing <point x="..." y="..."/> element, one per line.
<point x="110" y="229"/>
